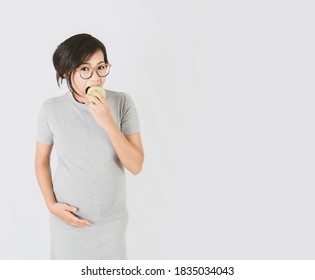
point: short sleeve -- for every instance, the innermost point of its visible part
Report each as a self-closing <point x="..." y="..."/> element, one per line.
<point x="130" y="120"/>
<point x="44" y="134"/>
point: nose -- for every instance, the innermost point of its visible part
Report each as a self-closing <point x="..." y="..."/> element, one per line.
<point x="94" y="75"/>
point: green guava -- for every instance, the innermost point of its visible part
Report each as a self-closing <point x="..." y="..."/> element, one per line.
<point x="99" y="89"/>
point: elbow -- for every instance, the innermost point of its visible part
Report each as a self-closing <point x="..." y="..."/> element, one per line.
<point x="137" y="170"/>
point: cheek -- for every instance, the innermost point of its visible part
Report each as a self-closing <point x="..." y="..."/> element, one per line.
<point x="78" y="82"/>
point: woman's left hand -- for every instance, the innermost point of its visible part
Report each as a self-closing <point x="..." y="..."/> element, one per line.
<point x="100" y="110"/>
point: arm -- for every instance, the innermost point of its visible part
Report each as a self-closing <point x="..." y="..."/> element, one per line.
<point x="128" y="148"/>
<point x="43" y="172"/>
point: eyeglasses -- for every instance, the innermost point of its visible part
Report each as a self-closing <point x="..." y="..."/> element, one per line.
<point x="102" y="71"/>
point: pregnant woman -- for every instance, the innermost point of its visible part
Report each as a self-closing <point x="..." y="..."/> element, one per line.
<point x="95" y="139"/>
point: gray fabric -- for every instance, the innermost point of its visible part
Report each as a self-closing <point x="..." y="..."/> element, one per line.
<point x="89" y="176"/>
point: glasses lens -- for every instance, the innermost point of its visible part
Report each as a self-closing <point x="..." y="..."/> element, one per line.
<point x="86" y="72"/>
<point x="103" y="70"/>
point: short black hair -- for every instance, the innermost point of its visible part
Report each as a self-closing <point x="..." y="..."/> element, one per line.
<point x="74" y="51"/>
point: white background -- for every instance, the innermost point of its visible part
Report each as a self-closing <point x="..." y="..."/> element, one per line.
<point x="225" y="96"/>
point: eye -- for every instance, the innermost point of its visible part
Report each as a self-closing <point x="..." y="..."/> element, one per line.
<point x="101" y="67"/>
<point x="85" y="68"/>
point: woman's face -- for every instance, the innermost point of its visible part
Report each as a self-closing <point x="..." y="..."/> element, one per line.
<point x="79" y="84"/>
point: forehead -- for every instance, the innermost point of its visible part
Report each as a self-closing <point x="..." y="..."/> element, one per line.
<point x="97" y="57"/>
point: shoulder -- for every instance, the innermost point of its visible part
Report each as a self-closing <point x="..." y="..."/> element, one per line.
<point x="118" y="96"/>
<point x="122" y="100"/>
<point x="53" y="103"/>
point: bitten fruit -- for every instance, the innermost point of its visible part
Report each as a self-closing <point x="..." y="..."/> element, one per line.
<point x="99" y="89"/>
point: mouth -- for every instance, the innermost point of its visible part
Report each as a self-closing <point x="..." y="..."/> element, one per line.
<point x="86" y="90"/>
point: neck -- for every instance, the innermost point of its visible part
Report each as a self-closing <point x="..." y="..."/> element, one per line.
<point x="78" y="98"/>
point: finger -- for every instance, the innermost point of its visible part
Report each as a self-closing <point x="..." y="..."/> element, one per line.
<point x="75" y="224"/>
<point x="93" y="98"/>
<point x="76" y="219"/>
<point x="89" y="99"/>
<point x="70" y="208"/>
<point x="84" y="224"/>
<point x="92" y="105"/>
<point x="99" y="96"/>
<point x="91" y="108"/>
<point x="80" y="223"/>
<point x="71" y="216"/>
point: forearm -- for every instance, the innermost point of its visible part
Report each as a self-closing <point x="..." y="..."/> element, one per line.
<point x="128" y="154"/>
<point x="43" y="175"/>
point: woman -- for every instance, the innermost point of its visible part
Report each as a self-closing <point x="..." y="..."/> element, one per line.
<point x="94" y="139"/>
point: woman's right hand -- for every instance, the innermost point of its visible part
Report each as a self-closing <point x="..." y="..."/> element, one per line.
<point x="64" y="212"/>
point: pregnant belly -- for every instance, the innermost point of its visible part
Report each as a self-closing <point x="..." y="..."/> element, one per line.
<point x="96" y="200"/>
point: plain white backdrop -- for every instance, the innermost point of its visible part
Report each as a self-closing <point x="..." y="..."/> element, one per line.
<point x="225" y="96"/>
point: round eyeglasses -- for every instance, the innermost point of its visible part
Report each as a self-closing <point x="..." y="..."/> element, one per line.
<point x="103" y="70"/>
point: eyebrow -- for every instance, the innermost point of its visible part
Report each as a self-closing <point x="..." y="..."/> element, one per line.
<point x="96" y="64"/>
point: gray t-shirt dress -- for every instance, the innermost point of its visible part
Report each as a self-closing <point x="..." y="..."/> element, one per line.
<point x="89" y="176"/>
